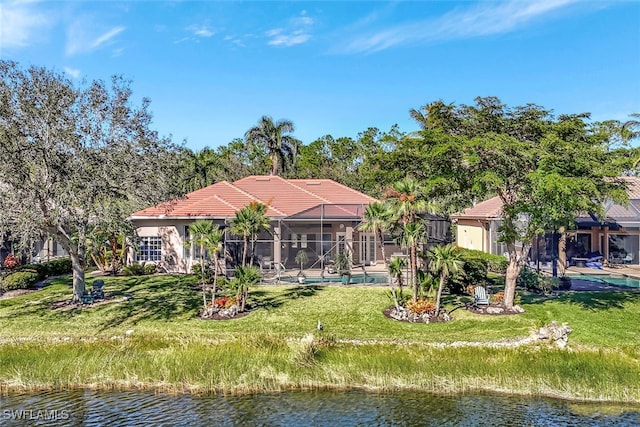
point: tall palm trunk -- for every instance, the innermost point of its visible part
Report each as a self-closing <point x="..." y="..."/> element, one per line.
<point x="386" y="268"/>
<point x="204" y="294"/>
<point x="215" y="279"/>
<point x="274" y="163"/>
<point x="245" y="245"/>
<point x="443" y="279"/>
<point x="414" y="271"/>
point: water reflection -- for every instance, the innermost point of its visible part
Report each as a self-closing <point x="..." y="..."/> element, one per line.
<point x="319" y="408"/>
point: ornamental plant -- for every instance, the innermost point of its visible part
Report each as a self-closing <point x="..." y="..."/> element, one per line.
<point x="11" y="262"/>
<point x="422" y="306"/>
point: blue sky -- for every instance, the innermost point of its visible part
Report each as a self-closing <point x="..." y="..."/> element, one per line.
<point x="213" y="68"/>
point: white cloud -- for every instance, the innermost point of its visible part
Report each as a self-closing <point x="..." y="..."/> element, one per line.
<point x="482" y="19"/>
<point x="78" y="41"/>
<point x="20" y="23"/>
<point x="296" y="33"/>
<point x="201" y="30"/>
<point x="73" y="72"/>
<point x="277" y="38"/>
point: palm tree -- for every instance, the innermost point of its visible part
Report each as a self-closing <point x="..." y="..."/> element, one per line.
<point x="273" y="136"/>
<point x="378" y="219"/>
<point x="244" y="278"/>
<point x="631" y="128"/>
<point x="395" y="268"/>
<point x="445" y="261"/>
<point x="249" y="222"/>
<point x="201" y="231"/>
<point x="200" y="168"/>
<point x="406" y="198"/>
<point x="410" y="236"/>
<point x="213" y="242"/>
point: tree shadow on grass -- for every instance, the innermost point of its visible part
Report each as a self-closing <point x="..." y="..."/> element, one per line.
<point x="162" y="300"/>
<point x="590" y="300"/>
<point x="269" y="301"/>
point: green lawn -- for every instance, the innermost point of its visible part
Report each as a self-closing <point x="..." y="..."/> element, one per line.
<point x="359" y="347"/>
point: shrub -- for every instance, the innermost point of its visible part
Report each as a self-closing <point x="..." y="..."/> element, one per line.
<point x="11" y="262"/>
<point x="59" y="267"/>
<point x="41" y="269"/>
<point x="19" y="280"/>
<point x="225" y="302"/>
<point x="208" y="270"/>
<point x="56" y="267"/>
<point x="133" y="270"/>
<point x="495" y="263"/>
<point x="497" y="298"/>
<point x="528" y="279"/>
<point x="474" y="272"/>
<point x="149" y="268"/>
<point x="422" y="306"/>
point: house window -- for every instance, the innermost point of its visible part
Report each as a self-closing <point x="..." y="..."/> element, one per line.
<point x="150" y="249"/>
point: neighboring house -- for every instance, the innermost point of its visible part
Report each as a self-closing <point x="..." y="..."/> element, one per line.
<point x="318" y="216"/>
<point x="616" y="237"/>
<point x="42" y="250"/>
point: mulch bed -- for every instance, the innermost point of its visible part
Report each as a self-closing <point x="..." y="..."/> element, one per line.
<point x="219" y="317"/>
<point x="387" y="314"/>
<point x="483" y="311"/>
<point x="67" y="304"/>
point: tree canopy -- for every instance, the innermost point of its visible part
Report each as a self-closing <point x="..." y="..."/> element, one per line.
<point x="74" y="157"/>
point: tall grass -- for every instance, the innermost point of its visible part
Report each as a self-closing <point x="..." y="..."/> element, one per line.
<point x="270" y="363"/>
<point x="149" y="336"/>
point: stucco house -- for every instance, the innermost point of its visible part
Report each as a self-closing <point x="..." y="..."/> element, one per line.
<point x="318" y="216"/>
<point x="616" y="237"/>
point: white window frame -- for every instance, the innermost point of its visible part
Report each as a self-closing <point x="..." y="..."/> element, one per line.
<point x="150" y="249"/>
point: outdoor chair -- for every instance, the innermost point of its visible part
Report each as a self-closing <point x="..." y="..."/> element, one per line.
<point x="480" y="296"/>
<point x="628" y="259"/>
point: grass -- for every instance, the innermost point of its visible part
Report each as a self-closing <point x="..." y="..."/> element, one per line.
<point x="168" y="348"/>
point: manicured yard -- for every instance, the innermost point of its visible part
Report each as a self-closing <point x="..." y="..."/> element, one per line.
<point x="149" y="336"/>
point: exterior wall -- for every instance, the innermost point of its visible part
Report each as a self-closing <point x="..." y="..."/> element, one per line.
<point x="472" y="234"/>
<point x="175" y="257"/>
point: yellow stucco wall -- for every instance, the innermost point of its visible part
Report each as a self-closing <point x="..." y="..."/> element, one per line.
<point x="471" y="236"/>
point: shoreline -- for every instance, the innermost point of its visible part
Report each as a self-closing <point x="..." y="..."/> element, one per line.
<point x="270" y="364"/>
<point x="169" y="389"/>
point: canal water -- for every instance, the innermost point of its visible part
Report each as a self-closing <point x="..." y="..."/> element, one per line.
<point x="313" y="408"/>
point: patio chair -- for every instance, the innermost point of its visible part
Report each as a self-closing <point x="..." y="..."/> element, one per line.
<point x="480" y="296"/>
<point x="628" y="259"/>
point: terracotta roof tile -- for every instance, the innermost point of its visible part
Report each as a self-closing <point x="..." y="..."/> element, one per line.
<point x="633" y="186"/>
<point x="491" y="208"/>
<point x="285" y="197"/>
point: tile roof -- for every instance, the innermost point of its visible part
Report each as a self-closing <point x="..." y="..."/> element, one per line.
<point x="285" y="197"/>
<point x="633" y="186"/>
<point x="491" y="208"/>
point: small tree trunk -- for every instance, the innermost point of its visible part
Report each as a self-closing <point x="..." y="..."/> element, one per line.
<point x="78" y="276"/>
<point x="245" y="244"/>
<point x="253" y="249"/>
<point x="414" y="272"/>
<point x="443" y="279"/>
<point x="215" y="279"/>
<point x="204" y="294"/>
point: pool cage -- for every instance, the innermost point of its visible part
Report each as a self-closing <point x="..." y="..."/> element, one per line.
<point x="312" y="239"/>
